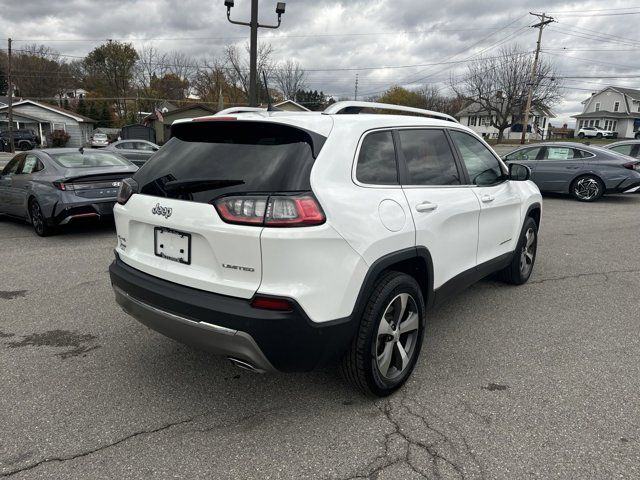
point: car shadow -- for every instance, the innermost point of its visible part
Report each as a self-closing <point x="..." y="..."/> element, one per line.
<point x="86" y="227"/>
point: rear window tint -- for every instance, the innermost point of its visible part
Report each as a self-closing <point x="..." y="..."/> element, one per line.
<point x="429" y="158"/>
<point x="88" y="159"/>
<point x="253" y="157"/>
<point x="377" y="160"/>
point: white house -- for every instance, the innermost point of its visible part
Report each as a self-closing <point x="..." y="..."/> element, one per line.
<point x="44" y="119"/>
<point x="612" y="108"/>
<point x="479" y="120"/>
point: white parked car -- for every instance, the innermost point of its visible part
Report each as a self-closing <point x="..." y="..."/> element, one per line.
<point x="287" y="240"/>
<point x="596" y="132"/>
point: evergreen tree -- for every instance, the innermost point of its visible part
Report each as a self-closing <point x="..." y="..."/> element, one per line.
<point x="81" y="107"/>
<point x="105" y="116"/>
<point x="65" y="104"/>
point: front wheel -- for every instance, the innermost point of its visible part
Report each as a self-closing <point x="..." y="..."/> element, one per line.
<point x="524" y="256"/>
<point x="38" y="220"/>
<point x="587" y="188"/>
<point x="581" y="135"/>
<point x="598" y="136"/>
<point x="386" y="348"/>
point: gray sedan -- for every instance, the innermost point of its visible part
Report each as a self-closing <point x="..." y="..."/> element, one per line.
<point x="585" y="172"/>
<point x="56" y="186"/>
<point x="136" y="151"/>
<point x="630" y="148"/>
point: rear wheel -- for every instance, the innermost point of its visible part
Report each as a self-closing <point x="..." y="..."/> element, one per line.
<point x="521" y="266"/>
<point x="386" y="347"/>
<point x="587" y="188"/>
<point x="38" y="219"/>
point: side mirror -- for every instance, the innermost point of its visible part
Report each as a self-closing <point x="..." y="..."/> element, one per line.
<point x="518" y="172"/>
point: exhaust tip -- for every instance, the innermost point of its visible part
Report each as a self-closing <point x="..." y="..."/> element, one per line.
<point x="245" y="365"/>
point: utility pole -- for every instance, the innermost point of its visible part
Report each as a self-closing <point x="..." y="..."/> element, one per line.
<point x="10" y="95"/>
<point x="355" y="95"/>
<point x="253" y="53"/>
<point x="544" y="20"/>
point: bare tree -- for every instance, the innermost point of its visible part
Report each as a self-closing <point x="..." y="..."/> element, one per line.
<point x="238" y="65"/>
<point x="290" y="78"/>
<point x="498" y="86"/>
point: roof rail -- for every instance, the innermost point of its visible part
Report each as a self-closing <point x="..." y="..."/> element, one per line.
<point x="227" y="111"/>
<point x="356" y="107"/>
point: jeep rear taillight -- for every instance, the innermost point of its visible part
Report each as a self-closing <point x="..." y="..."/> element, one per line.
<point x="271" y="210"/>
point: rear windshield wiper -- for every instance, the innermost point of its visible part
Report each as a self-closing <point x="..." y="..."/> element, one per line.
<point x="198" y="185"/>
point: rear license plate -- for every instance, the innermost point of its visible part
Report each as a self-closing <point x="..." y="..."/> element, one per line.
<point x="172" y="245"/>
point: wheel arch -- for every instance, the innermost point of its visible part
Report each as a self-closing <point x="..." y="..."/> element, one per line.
<point x="414" y="261"/>
<point x="535" y="211"/>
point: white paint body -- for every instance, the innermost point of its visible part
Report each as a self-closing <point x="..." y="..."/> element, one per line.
<point x="323" y="267"/>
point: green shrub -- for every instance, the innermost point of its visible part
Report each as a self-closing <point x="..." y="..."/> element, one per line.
<point x="59" y="138"/>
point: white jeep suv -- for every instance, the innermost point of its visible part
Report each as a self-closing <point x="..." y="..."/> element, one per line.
<point x="285" y="241"/>
<point x="596" y="132"/>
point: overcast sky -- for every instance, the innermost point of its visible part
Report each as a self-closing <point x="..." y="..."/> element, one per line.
<point x="590" y="38"/>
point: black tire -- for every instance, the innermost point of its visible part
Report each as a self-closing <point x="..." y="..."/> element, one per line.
<point x="587" y="188"/>
<point x="581" y="135"/>
<point x="361" y="363"/>
<point x="598" y="136"/>
<point x="637" y="137"/>
<point x="38" y="220"/>
<point x="524" y="257"/>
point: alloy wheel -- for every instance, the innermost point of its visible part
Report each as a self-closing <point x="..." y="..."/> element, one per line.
<point x="528" y="253"/>
<point x="587" y="189"/>
<point x="397" y="336"/>
<point x="37" y="218"/>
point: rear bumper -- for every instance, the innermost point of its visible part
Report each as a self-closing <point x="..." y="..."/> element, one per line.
<point x="229" y="326"/>
<point x="629" y="185"/>
<point x="83" y="210"/>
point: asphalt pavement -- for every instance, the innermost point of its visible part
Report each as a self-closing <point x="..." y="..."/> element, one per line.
<point x="541" y="380"/>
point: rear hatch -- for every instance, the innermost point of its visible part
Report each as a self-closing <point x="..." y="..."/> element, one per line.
<point x="182" y="224"/>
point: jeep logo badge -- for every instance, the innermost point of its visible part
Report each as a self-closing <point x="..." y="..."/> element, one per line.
<point x="162" y="211"/>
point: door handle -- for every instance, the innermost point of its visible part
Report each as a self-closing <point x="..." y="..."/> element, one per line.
<point x="487" y="198"/>
<point x="426" y="207"/>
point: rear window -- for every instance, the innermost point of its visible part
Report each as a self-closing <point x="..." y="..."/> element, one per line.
<point x="87" y="159"/>
<point x="231" y="157"/>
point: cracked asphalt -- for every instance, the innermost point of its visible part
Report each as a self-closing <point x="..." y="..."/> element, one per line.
<point x="539" y="381"/>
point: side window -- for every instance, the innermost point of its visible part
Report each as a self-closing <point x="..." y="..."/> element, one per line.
<point x="623" y="149"/>
<point x="429" y="157"/>
<point x="12" y="167"/>
<point x="524" y="154"/>
<point x="483" y="167"/>
<point x="377" y="160"/>
<point x="560" y="153"/>
<point x="125" y="146"/>
<point x="30" y="164"/>
<point x="144" y="146"/>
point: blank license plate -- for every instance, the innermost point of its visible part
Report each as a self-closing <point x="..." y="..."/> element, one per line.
<point x="173" y="245"/>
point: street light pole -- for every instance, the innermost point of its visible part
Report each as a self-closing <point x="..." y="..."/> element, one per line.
<point x="253" y="49"/>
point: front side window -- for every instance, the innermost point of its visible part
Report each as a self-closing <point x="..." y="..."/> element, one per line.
<point x="483" y="167"/>
<point x="524" y="154"/>
<point x="429" y="158"/>
<point x="12" y="166"/>
<point x="377" y="160"/>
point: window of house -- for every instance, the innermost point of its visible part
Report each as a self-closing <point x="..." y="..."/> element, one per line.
<point x="377" y="160"/>
<point x="580" y="123"/>
<point x="591" y="123"/>
<point x="615" y="124"/>
<point x="639" y="107"/>
<point x="597" y="106"/>
<point x="544" y="122"/>
<point x="59" y="126"/>
<point x="616" y="107"/>
<point x="472" y="121"/>
<point x="597" y="123"/>
<point x="429" y="158"/>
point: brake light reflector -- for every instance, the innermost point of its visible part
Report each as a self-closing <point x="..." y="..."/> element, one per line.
<point x="267" y="303"/>
<point x="271" y="210"/>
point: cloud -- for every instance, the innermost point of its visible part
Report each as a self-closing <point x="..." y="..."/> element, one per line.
<point x="352" y="34"/>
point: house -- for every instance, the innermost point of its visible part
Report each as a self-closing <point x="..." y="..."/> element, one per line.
<point x="478" y="119"/>
<point x="612" y="108"/>
<point x="556" y="133"/>
<point x="161" y="122"/>
<point x="44" y="119"/>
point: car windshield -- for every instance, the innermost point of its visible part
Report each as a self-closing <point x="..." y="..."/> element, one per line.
<point x="88" y="159"/>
